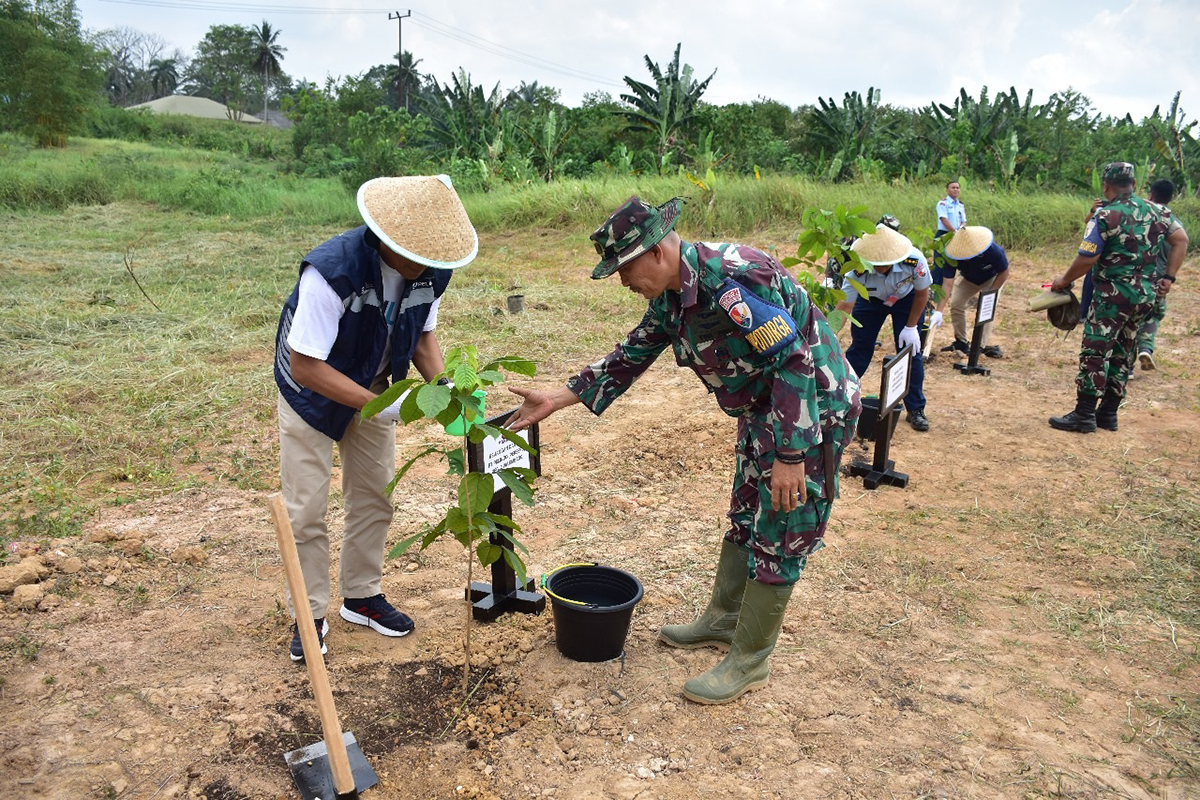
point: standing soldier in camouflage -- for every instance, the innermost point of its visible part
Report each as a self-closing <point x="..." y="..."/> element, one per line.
<point x="1119" y="247"/>
<point x="736" y="318"/>
<point x="1161" y="193"/>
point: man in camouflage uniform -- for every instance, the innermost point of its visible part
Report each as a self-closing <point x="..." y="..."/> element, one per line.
<point x="1119" y="248"/>
<point x="735" y="317"/>
<point x="1176" y="243"/>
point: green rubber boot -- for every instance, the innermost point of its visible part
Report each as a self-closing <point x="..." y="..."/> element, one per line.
<point x="745" y="667"/>
<point x="714" y="628"/>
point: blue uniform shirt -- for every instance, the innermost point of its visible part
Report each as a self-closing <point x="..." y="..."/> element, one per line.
<point x="952" y="210"/>
<point x="911" y="274"/>
<point x="980" y="269"/>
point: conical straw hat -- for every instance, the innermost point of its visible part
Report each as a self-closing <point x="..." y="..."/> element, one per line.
<point x="1049" y="299"/>
<point x="968" y="242"/>
<point x="421" y="218"/>
<point x="884" y="246"/>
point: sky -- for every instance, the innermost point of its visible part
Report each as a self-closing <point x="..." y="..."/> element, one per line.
<point x="1127" y="57"/>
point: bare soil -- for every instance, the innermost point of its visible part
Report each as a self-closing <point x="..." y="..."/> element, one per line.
<point x="1019" y="622"/>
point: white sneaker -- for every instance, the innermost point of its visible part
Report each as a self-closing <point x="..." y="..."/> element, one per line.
<point x="1147" y="361"/>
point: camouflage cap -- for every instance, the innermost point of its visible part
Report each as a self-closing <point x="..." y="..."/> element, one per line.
<point x="1118" y="171"/>
<point x="1066" y="316"/>
<point x="631" y="230"/>
<point x="890" y="221"/>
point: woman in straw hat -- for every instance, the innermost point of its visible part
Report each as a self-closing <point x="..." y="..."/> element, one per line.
<point x="984" y="266"/>
<point x="364" y="308"/>
<point x="896" y="287"/>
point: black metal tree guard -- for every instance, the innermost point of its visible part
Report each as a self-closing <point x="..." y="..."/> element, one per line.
<point x="503" y="594"/>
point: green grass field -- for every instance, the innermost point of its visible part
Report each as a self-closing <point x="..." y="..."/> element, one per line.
<point x="110" y="395"/>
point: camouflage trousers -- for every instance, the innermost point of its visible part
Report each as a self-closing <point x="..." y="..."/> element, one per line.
<point x="1110" y="339"/>
<point x="779" y="542"/>
<point x="1148" y="333"/>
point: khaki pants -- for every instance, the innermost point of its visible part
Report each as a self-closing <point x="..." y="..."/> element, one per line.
<point x="368" y="452"/>
<point x="960" y="298"/>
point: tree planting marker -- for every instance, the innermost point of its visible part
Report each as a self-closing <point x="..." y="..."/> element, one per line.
<point x="897" y="372"/>
<point x="985" y="312"/>
<point x="503" y="594"/>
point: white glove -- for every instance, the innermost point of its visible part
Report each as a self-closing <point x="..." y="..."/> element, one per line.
<point x="935" y="319"/>
<point x="910" y="338"/>
<point x="392" y="412"/>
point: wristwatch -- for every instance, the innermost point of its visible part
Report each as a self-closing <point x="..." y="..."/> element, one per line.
<point x="1170" y="278"/>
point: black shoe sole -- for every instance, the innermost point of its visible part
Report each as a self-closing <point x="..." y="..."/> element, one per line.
<point x="1071" y="428"/>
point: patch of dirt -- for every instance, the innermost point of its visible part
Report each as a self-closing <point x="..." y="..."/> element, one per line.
<point x="1013" y="624"/>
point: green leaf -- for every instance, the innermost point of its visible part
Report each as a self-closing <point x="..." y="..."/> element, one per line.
<point x="858" y="287"/>
<point x="387" y="397"/>
<point x="520" y="489"/>
<point x="516" y="438"/>
<point x="403" y="545"/>
<point x="391" y="487"/>
<point x="475" y="491"/>
<point x="410" y="412"/>
<point x="433" y="399"/>
<point x="509" y="535"/>
<point x="487" y="377"/>
<point x="473" y="407"/>
<point x="790" y="262"/>
<point x="837" y="319"/>
<point x="489" y="553"/>
<point x="517" y="565"/>
<point x="465" y="378"/>
<point x="456" y="520"/>
<point x="457" y="463"/>
<point x="450" y="413"/>
<point x="512" y="364"/>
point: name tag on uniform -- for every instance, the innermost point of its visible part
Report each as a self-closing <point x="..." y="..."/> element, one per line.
<point x="768" y="328"/>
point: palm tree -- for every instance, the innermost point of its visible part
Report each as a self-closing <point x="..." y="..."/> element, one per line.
<point x="267" y="54"/>
<point x="164" y="76"/>
<point x="666" y="106"/>
<point x="408" y="80"/>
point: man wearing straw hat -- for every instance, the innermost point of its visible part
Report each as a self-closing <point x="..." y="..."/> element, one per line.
<point x="896" y="287"/>
<point x="363" y="310"/>
<point x="1119" y="247"/>
<point x="984" y="266"/>
<point x="745" y="327"/>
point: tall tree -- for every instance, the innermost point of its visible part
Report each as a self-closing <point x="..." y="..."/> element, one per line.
<point x="667" y="106"/>
<point x="164" y="76"/>
<point x="224" y="66"/>
<point x="268" y="54"/>
<point x="49" y="75"/>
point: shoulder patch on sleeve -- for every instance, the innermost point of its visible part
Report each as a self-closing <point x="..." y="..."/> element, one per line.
<point x="768" y="328"/>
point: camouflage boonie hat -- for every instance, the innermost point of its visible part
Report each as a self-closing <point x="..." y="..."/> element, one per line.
<point x="1066" y="316"/>
<point x="1118" y="171"/>
<point x="632" y="229"/>
<point x="890" y="221"/>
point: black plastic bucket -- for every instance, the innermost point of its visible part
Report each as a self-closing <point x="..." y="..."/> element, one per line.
<point x="869" y="418"/>
<point x="593" y="605"/>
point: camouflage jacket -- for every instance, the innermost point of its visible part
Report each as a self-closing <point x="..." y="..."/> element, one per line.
<point x="1127" y="233"/>
<point x="806" y="386"/>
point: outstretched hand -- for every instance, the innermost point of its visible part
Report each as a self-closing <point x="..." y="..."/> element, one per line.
<point x="537" y="406"/>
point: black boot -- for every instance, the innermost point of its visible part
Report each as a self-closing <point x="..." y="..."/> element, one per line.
<point x="1081" y="420"/>
<point x="1106" y="413"/>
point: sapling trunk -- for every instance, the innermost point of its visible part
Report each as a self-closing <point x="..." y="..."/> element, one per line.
<point x="466" y="679"/>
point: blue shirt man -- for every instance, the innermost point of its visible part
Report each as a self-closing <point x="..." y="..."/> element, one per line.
<point x="896" y="286"/>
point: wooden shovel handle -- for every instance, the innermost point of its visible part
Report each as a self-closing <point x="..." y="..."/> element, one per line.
<point x="339" y="761"/>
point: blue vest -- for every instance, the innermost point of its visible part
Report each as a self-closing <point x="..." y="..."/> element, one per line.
<point x="350" y="264"/>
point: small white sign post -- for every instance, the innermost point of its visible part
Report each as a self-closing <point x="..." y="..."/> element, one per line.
<point x="897" y="374"/>
<point x="489" y="457"/>
<point x="985" y="312"/>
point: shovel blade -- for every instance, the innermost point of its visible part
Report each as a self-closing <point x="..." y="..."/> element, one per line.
<point x="314" y="777"/>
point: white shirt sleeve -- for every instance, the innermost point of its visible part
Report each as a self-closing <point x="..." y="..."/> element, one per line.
<point x="318" y="313"/>
<point x="431" y="320"/>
